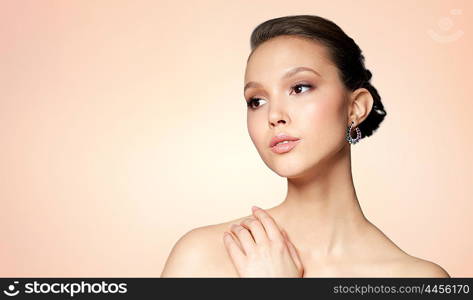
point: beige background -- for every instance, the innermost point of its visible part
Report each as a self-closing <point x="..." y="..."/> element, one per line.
<point x="123" y="126"/>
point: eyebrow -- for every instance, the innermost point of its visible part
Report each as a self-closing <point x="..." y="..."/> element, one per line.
<point x="288" y="74"/>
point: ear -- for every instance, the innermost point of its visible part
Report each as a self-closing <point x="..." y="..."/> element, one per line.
<point x="360" y="105"/>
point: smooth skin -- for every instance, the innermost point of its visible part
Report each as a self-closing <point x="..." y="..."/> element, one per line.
<point x="319" y="229"/>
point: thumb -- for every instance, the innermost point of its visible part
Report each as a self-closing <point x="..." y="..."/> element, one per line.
<point x="293" y="251"/>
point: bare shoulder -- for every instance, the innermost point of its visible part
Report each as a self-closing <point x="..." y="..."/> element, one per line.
<point x="200" y="252"/>
<point x="411" y="266"/>
<point x="397" y="263"/>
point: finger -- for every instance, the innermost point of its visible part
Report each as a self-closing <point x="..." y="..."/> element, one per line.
<point x="270" y="226"/>
<point x="236" y="254"/>
<point x="237" y="241"/>
<point x="244" y="236"/>
<point x="284" y="234"/>
<point x="256" y="229"/>
<point x="293" y="251"/>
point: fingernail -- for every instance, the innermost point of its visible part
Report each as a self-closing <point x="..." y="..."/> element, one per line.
<point x="255" y="207"/>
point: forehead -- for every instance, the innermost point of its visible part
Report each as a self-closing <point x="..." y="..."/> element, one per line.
<point x="273" y="57"/>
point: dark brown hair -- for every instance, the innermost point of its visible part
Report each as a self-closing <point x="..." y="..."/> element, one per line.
<point x="343" y="51"/>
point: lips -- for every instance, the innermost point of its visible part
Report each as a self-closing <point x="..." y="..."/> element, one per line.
<point x="281" y="138"/>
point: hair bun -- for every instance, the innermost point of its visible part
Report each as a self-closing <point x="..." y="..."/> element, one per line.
<point x="368" y="75"/>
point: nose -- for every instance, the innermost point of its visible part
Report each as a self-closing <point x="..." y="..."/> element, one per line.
<point x="277" y="116"/>
<point x="277" y="122"/>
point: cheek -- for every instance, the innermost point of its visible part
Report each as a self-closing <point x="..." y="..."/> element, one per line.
<point x="319" y="115"/>
<point x="323" y="120"/>
<point x="253" y="130"/>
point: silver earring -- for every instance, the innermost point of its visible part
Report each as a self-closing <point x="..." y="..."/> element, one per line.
<point x="358" y="134"/>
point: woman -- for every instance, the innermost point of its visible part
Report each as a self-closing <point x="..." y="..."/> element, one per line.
<point x="309" y="99"/>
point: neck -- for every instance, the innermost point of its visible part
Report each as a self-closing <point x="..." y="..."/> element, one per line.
<point x="321" y="212"/>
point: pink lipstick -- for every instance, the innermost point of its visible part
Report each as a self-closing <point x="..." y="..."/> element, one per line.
<point x="283" y="143"/>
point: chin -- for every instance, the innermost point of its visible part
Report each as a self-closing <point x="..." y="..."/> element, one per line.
<point x="294" y="168"/>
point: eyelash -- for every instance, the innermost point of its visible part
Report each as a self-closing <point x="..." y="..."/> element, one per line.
<point x="249" y="102"/>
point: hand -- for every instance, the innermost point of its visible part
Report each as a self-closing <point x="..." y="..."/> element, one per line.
<point x="260" y="249"/>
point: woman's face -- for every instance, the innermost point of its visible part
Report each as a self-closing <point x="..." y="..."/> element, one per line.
<point x="312" y="107"/>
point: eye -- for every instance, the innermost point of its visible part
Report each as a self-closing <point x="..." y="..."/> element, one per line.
<point x="250" y="102"/>
<point x="297" y="87"/>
